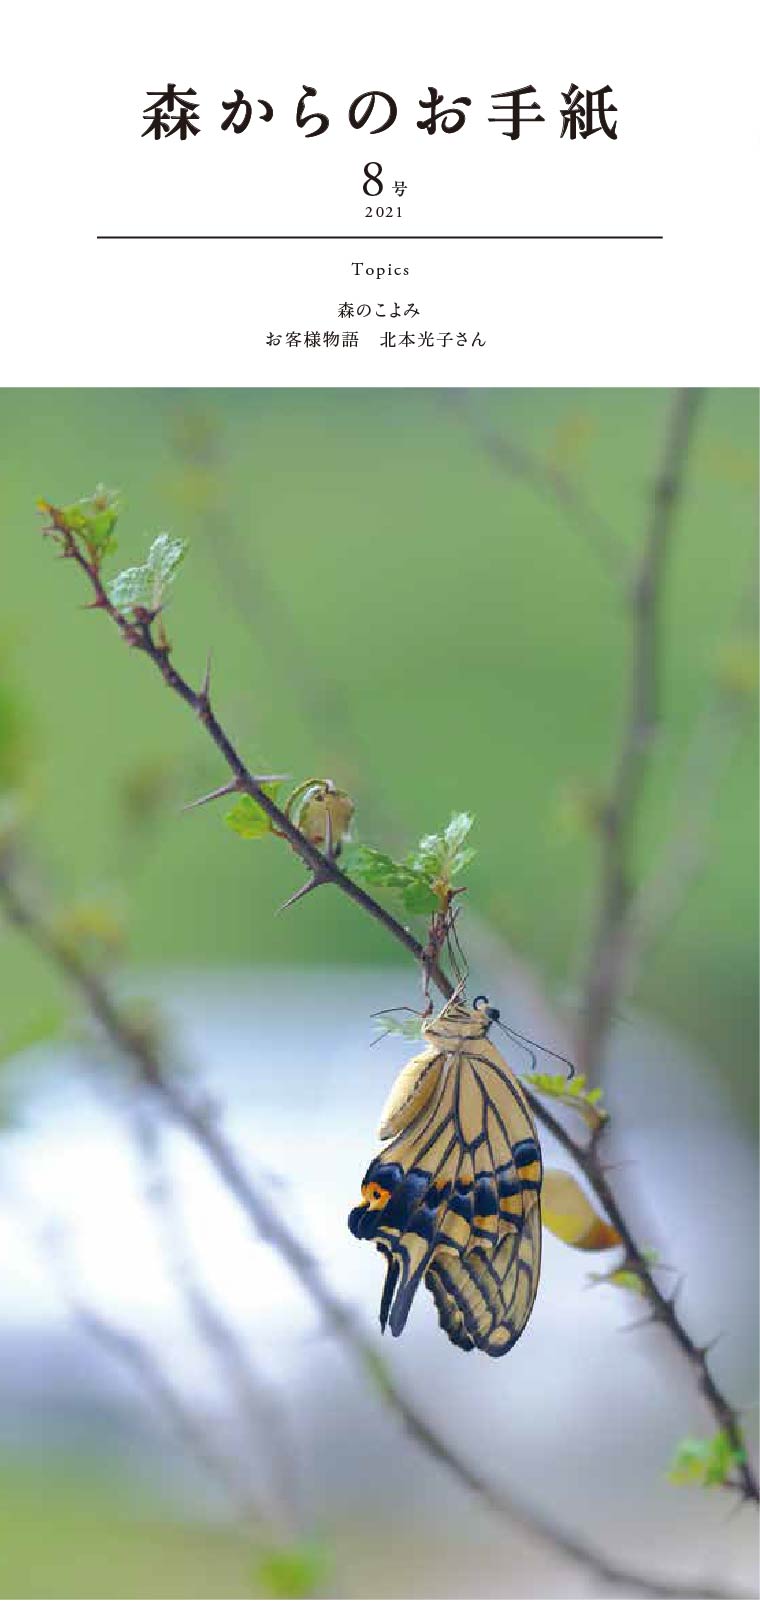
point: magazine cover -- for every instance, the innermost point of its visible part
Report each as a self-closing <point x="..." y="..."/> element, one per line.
<point x="378" y="802"/>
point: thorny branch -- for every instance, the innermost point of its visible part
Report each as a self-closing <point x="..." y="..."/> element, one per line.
<point x="323" y="868"/>
<point x="609" y="945"/>
<point x="137" y="1047"/>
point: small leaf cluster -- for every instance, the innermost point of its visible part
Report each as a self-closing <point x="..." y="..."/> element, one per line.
<point x="144" y="588"/>
<point x="380" y="871"/>
<point x="425" y="878"/>
<point x="89" y="525"/>
<point x="571" y="1092"/>
<point x="92" y="520"/>
<point x="706" y="1462"/>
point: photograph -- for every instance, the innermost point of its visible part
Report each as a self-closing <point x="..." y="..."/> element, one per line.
<point x="379" y="975"/>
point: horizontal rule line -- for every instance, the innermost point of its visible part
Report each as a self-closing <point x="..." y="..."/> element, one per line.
<point x="377" y="239"/>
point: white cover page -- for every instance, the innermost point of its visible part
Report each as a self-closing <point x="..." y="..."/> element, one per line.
<point x="378" y="803"/>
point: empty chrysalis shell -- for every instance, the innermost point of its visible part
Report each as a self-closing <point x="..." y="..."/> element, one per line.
<point x="310" y="805"/>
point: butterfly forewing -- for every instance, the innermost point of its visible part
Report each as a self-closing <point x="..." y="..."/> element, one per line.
<point x="454" y="1197"/>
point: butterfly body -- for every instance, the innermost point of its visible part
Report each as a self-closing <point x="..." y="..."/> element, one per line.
<point x="454" y="1198"/>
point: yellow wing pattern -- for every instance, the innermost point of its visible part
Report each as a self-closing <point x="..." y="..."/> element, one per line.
<point x="454" y="1197"/>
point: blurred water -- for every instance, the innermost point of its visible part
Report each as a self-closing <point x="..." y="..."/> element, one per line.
<point x="580" y="1419"/>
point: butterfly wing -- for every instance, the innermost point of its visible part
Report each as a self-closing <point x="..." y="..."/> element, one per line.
<point x="454" y="1197"/>
<point x="405" y="1188"/>
<point x="486" y="1295"/>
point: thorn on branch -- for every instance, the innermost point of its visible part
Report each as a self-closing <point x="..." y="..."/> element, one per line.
<point x="239" y="786"/>
<point x="703" y="1351"/>
<point x="204" y="693"/>
<point x="234" y="786"/>
<point x="674" y="1296"/>
<point x="646" y="1322"/>
<point x="313" y="882"/>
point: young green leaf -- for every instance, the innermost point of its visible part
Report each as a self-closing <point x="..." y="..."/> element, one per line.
<point x="93" y="519"/>
<point x="418" y="896"/>
<point x="571" y="1092"/>
<point x="409" y="1025"/>
<point x="424" y="878"/>
<point x="626" y="1278"/>
<point x="440" y="858"/>
<point x="374" y="867"/>
<point x="247" y="818"/>
<point x="291" y="1572"/>
<point x="145" y="587"/>
<point x="44" y="1026"/>
<point x="705" y="1461"/>
<point x="377" y="869"/>
<point x="94" y="928"/>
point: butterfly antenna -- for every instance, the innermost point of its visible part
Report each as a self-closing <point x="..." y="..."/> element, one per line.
<point x="518" y="1041"/>
<point x="385" y="1011"/>
<point x="523" y="1039"/>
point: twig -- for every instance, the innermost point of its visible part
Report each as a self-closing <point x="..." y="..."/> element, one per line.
<point x="136" y="1357"/>
<point x="713" y="742"/>
<point x="682" y="858"/>
<point x="586" y="1156"/>
<point x="250" y="592"/>
<point x="138" y="1048"/>
<point x="254" y="1401"/>
<point x="548" y="481"/>
<point x="608" y="945"/>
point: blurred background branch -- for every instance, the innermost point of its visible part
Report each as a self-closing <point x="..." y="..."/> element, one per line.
<point x="131" y="1352"/>
<point x="605" y="983"/>
<point x="253" y="1398"/>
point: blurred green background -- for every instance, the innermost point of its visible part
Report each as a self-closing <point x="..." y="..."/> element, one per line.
<point x="386" y="605"/>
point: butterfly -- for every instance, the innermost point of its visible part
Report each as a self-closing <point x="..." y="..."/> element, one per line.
<point x="455" y="1197"/>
